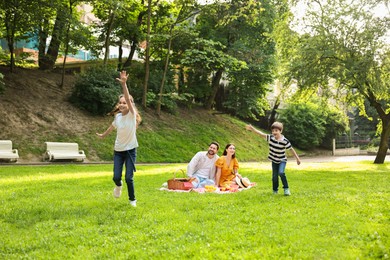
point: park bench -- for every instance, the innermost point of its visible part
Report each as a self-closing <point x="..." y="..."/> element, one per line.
<point x="63" y="151"/>
<point x="6" y="151"/>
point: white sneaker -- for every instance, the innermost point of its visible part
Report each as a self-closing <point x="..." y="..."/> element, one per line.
<point x="133" y="203"/>
<point x="117" y="191"/>
<point x="287" y="192"/>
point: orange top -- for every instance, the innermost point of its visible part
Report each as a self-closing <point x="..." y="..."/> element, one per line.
<point x="227" y="171"/>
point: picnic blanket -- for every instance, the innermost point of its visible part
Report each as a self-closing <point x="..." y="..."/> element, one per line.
<point x="203" y="190"/>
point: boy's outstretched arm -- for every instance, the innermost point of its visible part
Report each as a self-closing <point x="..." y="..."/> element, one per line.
<point x="296" y="156"/>
<point x="251" y="128"/>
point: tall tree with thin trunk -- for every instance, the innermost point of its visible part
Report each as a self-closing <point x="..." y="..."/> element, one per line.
<point x="71" y="2"/>
<point x="147" y="55"/>
<point x="15" y="20"/>
<point x="187" y="10"/>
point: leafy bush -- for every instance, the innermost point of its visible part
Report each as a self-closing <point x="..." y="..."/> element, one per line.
<point x="136" y="79"/>
<point x="96" y="90"/>
<point x="304" y="124"/>
<point x="313" y="123"/>
<point x="336" y="123"/>
<point x="4" y="58"/>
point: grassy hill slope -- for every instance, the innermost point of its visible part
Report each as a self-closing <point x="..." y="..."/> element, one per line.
<point x="34" y="109"/>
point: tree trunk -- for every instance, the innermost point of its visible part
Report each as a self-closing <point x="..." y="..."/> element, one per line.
<point x="67" y="43"/>
<point x="146" y="81"/>
<point x="164" y="74"/>
<point x="10" y="25"/>
<point x="384" y="143"/>
<point x="385" y="118"/>
<point x="215" y="86"/>
<point x="42" y="38"/>
<point x="134" y="41"/>
<point x="133" y="47"/>
<point x="10" y="41"/>
<point x="272" y="117"/>
<point x="120" y="57"/>
<point x="107" y="40"/>
<point x="48" y="61"/>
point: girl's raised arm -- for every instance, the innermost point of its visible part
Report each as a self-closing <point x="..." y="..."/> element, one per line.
<point x="129" y="99"/>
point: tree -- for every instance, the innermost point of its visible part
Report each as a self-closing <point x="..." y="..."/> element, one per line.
<point x="243" y="30"/>
<point x="107" y="12"/>
<point x="71" y="3"/>
<point x="15" y="18"/>
<point x="346" y="42"/>
<point x="286" y="41"/>
<point x="147" y="55"/>
<point x="209" y="57"/>
<point x="47" y="55"/>
<point x="186" y="10"/>
<point x="129" y="24"/>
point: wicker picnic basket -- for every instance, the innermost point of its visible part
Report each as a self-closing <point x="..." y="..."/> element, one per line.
<point x="179" y="183"/>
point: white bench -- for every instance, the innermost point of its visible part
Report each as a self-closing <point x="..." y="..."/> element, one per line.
<point x="63" y="151"/>
<point x="6" y="151"/>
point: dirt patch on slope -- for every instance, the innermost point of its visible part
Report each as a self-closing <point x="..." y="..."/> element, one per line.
<point x="34" y="105"/>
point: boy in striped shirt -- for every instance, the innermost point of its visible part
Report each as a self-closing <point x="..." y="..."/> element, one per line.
<point x="278" y="144"/>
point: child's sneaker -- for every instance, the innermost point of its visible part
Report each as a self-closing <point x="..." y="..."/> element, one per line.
<point x="133" y="203"/>
<point x="117" y="191"/>
<point x="287" y="192"/>
<point x="275" y="192"/>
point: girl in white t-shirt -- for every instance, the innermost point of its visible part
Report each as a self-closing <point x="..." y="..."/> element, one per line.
<point x="125" y="148"/>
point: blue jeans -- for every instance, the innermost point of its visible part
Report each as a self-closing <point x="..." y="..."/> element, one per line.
<point x="278" y="170"/>
<point x="201" y="182"/>
<point x="127" y="158"/>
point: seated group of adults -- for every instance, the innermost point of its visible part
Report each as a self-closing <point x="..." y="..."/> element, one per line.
<point x="207" y="168"/>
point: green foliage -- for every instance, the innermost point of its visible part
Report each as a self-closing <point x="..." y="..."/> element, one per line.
<point x="238" y="34"/>
<point x="359" y="65"/>
<point x="245" y="93"/>
<point x="311" y="122"/>
<point x="336" y="123"/>
<point x="325" y="218"/>
<point x="80" y="36"/>
<point x="304" y="124"/>
<point x="96" y="90"/>
<point x="24" y="60"/>
<point x="4" y="57"/>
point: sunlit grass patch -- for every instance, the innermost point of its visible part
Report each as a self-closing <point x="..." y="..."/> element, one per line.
<point x="336" y="211"/>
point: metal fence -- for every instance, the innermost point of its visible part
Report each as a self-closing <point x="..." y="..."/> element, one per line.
<point x="350" y="142"/>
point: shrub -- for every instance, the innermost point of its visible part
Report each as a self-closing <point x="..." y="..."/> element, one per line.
<point x="304" y="124"/>
<point x="336" y="123"/>
<point x="96" y="90"/>
<point x="313" y="123"/>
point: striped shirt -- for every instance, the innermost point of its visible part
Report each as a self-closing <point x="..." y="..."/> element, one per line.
<point x="277" y="149"/>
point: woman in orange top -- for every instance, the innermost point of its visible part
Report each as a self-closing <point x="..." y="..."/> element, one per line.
<point x="227" y="167"/>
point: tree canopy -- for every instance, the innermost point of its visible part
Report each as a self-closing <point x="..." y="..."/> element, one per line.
<point x="346" y="48"/>
<point x="224" y="54"/>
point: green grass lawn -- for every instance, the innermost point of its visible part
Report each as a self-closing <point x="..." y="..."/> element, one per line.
<point x="336" y="211"/>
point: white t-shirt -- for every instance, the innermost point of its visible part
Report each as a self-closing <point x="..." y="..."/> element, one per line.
<point x="202" y="166"/>
<point x="126" y="138"/>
